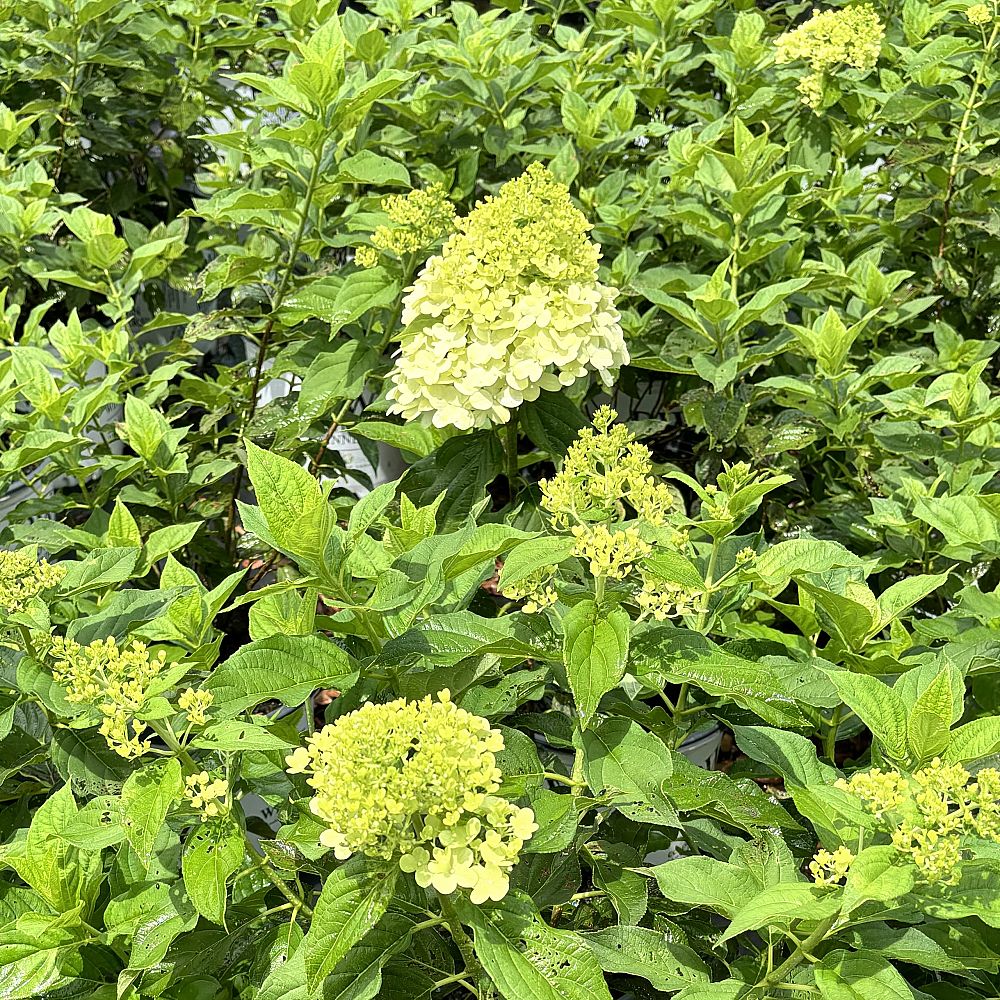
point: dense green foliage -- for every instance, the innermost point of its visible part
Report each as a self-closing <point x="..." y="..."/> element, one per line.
<point x="791" y="533"/>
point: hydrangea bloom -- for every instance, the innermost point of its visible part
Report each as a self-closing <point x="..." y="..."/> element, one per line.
<point x="23" y="577"/>
<point x="208" y="794"/>
<point x="195" y="705"/>
<point x="604" y="466"/>
<point x="831" y="867"/>
<point x="115" y="679"/>
<point x="979" y="14"/>
<point x="930" y="814"/>
<point x="417" y="781"/>
<point x="511" y="307"/>
<point x="851" y="36"/>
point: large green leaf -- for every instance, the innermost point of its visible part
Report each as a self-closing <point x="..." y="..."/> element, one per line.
<point x="147" y="796"/>
<point x="526" y="958"/>
<point x="353" y="899"/>
<point x="637" y="951"/>
<point x="298" y="516"/>
<point x="285" y="667"/>
<point x="213" y="852"/>
<point x="632" y="766"/>
<point x="595" y="651"/>
<point x="665" y="655"/>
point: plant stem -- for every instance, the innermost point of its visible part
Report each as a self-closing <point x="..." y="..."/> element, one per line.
<point x="801" y="953"/>
<point x="970" y="106"/>
<point x="561" y="779"/>
<point x="265" y="337"/>
<point x="473" y="968"/>
<point x="830" y="744"/>
<point x="510" y="447"/>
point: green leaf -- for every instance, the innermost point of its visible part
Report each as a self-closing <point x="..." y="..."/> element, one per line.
<point x="634" y="767"/>
<point x="877" y="706"/>
<point x="903" y="595"/>
<point x="970" y="524"/>
<point x="297" y="513"/>
<point x="663" y="655"/>
<point x="595" y="652"/>
<point x="844" y="975"/>
<point x="354" y="897"/>
<point x="334" y="376"/>
<point x="100" y="569"/>
<point x="234" y="737"/>
<point x="879" y="875"/>
<point x="147" y="796"/>
<point x="527" y="559"/>
<point x="151" y="915"/>
<point x="552" y="422"/>
<point x="60" y="873"/>
<point x="796" y="557"/>
<point x="929" y="723"/>
<point x="213" y="852"/>
<point x="38" y="953"/>
<point x="367" y="167"/>
<point x="703" y="881"/>
<point x="358" y="976"/>
<point x="790" y="755"/>
<point x="525" y="957"/>
<point x="636" y="951"/>
<point x="284" y="667"/>
<point x="781" y="906"/>
<point x="973" y="741"/>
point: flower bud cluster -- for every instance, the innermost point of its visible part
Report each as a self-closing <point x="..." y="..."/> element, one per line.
<point x="931" y="814"/>
<point x="417" y="781"/>
<point x="208" y="794"/>
<point x="23" y="577"/>
<point x="195" y="704"/>
<point x="511" y="307"/>
<point x="535" y="590"/>
<point x="115" y="679"/>
<point x="979" y="14"/>
<point x="849" y="36"/>
<point x="609" y="553"/>
<point x="660" y="600"/>
<point x="604" y="466"/>
<point x="830" y="868"/>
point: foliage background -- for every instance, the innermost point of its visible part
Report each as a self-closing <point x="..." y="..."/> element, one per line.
<point x="810" y="291"/>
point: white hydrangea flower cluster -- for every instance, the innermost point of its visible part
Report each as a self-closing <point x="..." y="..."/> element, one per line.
<point x="511" y="307"/>
<point x="417" y="781"/>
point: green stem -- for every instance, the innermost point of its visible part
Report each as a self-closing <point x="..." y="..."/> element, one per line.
<point x="464" y="943"/>
<point x="510" y="447"/>
<point x="970" y="106"/>
<point x="797" y="957"/>
<point x="265" y="338"/>
<point x="830" y="744"/>
<point x="562" y="779"/>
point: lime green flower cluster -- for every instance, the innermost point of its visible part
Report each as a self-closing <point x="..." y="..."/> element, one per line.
<point x="979" y="14"/>
<point x="931" y="814"/>
<point x="23" y="576"/>
<point x="660" y="600"/>
<point x="511" y="307"/>
<point x="851" y="36"/>
<point x="609" y="553"/>
<point x="831" y="867"/>
<point x="535" y="590"/>
<point x="417" y="781"/>
<point x="604" y="466"/>
<point x="195" y="705"/>
<point x="115" y="679"/>
<point x="417" y="220"/>
<point x="208" y="794"/>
